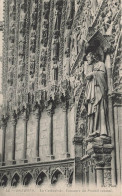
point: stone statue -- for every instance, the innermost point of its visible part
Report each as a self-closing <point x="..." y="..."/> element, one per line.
<point x="96" y="101"/>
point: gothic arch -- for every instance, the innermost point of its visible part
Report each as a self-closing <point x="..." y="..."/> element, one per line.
<point x="27" y="179"/>
<point x="41" y="178"/>
<point x="57" y="177"/>
<point x="4" y="181"/>
<point x="15" y="180"/>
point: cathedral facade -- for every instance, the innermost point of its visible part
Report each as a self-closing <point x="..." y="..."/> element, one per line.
<point x="61" y="85"/>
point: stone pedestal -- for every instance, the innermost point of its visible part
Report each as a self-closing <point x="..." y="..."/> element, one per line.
<point x="2" y="163"/>
<point x="77" y="141"/>
<point x="100" y="176"/>
<point x="51" y="157"/>
<point x="37" y="159"/>
<point x="99" y="149"/>
<point x="24" y="161"/>
<point x="66" y="155"/>
<point x="13" y="162"/>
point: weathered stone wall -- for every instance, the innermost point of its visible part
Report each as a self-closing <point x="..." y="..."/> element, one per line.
<point x="58" y="132"/>
<point x="19" y="139"/>
<point x="71" y="130"/>
<point x="44" y="136"/>
<point x="8" y="144"/>
<point x="58" y="136"/>
<point x="31" y="137"/>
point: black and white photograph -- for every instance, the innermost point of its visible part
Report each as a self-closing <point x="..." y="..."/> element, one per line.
<point x="60" y="97"/>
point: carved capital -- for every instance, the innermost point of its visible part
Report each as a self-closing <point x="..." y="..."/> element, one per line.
<point x="77" y="140"/>
<point x="4" y="121"/>
<point x="13" y="118"/>
<point x="107" y="159"/>
<point x="25" y="113"/>
<point x="14" y="122"/>
<point x="98" y="160"/>
<point x="37" y="110"/>
<point x="50" y="112"/>
<point x="64" y="102"/>
<point x="64" y="107"/>
<point x="50" y="105"/>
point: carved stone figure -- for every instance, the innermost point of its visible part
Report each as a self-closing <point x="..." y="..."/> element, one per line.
<point x="57" y="19"/>
<point x="46" y="9"/>
<point x="43" y="78"/>
<point x="32" y="68"/>
<point x="55" y="72"/>
<point x="44" y="37"/>
<point x="10" y="77"/>
<point x="55" y="50"/>
<point x="96" y="89"/>
<point x="70" y="14"/>
<point x="68" y="42"/>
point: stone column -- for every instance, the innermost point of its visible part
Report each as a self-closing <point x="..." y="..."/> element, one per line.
<point x="25" y="119"/>
<point x="66" y="153"/>
<point x="117" y="143"/>
<point x="37" y="114"/>
<point x="85" y="176"/>
<point x="111" y="116"/>
<point x="13" y="141"/>
<point x="91" y="175"/>
<point x="50" y="113"/>
<point x="100" y="176"/>
<point x="3" y="143"/>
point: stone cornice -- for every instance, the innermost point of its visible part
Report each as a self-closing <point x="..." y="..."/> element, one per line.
<point x="45" y="163"/>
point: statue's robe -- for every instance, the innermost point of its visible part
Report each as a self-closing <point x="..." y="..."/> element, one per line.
<point x="96" y="90"/>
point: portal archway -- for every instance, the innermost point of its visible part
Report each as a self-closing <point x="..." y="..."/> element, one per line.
<point x="41" y="179"/>
<point x="28" y="179"/>
<point x="15" y="180"/>
<point x="57" y="178"/>
<point x="4" y="181"/>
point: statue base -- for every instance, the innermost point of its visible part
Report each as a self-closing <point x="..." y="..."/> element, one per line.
<point x="37" y="159"/>
<point x="65" y="155"/>
<point x="97" y="138"/>
<point x="23" y="161"/>
<point x="2" y="164"/>
<point x="98" y="144"/>
<point x="51" y="157"/>
<point x="13" y="162"/>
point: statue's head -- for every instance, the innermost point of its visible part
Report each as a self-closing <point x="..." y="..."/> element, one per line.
<point x="89" y="58"/>
<point x="92" y="57"/>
